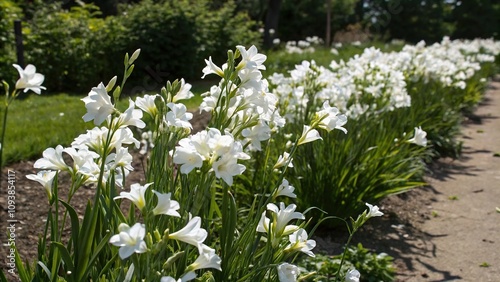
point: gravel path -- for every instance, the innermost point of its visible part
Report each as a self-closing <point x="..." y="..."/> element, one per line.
<point x="461" y="238"/>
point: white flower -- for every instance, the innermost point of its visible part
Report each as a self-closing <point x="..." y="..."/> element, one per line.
<point x="98" y="104"/>
<point x="130" y="239"/>
<point x="288" y="272"/>
<point x="419" y="137"/>
<point x="352" y="276"/>
<point x="373" y="211"/>
<point x="256" y="134"/>
<point x="44" y="177"/>
<point x="298" y="241"/>
<point x="192" y="233"/>
<point x="283" y="159"/>
<point x="280" y="218"/>
<point x="187" y="156"/>
<point x="264" y="223"/>
<point x="80" y="157"/>
<point x="147" y="104"/>
<point x="227" y="167"/>
<point x="308" y="135"/>
<point x="283" y="215"/>
<point x="29" y="79"/>
<point x="122" y="158"/>
<point x="211" y="68"/>
<point x="186" y="277"/>
<point x="207" y="259"/>
<point x="136" y="194"/>
<point x="166" y="205"/>
<point x="251" y="58"/>
<point x="52" y="159"/>
<point x="178" y="117"/>
<point x="131" y="116"/>
<point x="184" y="92"/>
<point x="330" y="119"/>
<point x="285" y="189"/>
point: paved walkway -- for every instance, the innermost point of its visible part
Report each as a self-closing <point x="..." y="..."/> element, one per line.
<point x="462" y="238"/>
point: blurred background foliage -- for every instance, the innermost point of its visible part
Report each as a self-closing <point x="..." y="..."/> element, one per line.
<point x="77" y="44"/>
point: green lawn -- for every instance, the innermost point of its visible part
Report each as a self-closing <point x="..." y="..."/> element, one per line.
<point x="38" y="122"/>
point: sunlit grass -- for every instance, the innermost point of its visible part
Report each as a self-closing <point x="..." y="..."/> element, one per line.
<point x="38" y="122"/>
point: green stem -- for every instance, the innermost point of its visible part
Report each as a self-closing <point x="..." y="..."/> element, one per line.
<point x="2" y="138"/>
<point x="351" y="234"/>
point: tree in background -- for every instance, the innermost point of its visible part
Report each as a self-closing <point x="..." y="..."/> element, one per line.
<point x="300" y="19"/>
<point x="410" y="20"/>
<point x="476" y="18"/>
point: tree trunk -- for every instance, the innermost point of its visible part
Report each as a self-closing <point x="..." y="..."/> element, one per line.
<point x="272" y="17"/>
<point x="328" y="23"/>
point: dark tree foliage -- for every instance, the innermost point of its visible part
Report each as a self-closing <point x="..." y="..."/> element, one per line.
<point x="411" y="20"/>
<point x="477" y="18"/>
<point x="299" y="19"/>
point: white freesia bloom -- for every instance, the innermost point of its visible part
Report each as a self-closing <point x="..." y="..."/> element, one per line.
<point x="308" y="135"/>
<point x="285" y="189"/>
<point x="44" y="177"/>
<point x="130" y="239"/>
<point x="211" y="68"/>
<point x="299" y="241"/>
<point x="29" y="79"/>
<point x="95" y="139"/>
<point x="136" y="194"/>
<point x="131" y="116"/>
<point x="207" y="259"/>
<point x="283" y="159"/>
<point x="330" y="118"/>
<point x="98" y="104"/>
<point x="52" y="159"/>
<point x="283" y="215"/>
<point x="122" y="158"/>
<point x="279" y="224"/>
<point x="288" y="272"/>
<point x="192" y="233"/>
<point x="166" y="205"/>
<point x="251" y="58"/>
<point x="227" y="167"/>
<point x="184" y="92"/>
<point x="260" y="132"/>
<point x="352" y="276"/>
<point x="187" y="156"/>
<point x="419" y="137"/>
<point x="373" y="211"/>
<point x="185" y="278"/>
<point x="178" y="117"/>
<point x="147" y="104"/>
<point x="220" y="151"/>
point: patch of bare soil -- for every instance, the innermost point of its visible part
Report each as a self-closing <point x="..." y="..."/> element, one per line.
<point x="446" y="231"/>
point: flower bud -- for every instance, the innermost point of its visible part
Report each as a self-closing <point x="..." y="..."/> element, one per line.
<point x="134" y="56"/>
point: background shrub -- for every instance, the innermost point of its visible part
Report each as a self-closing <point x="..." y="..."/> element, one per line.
<point x="9" y="12"/>
<point x="175" y="38"/>
<point x="60" y="43"/>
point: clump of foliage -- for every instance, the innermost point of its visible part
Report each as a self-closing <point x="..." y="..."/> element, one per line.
<point x="9" y="12"/>
<point x="175" y="37"/>
<point x="372" y="267"/>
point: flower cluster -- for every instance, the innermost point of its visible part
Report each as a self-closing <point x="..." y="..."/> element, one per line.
<point x="373" y="81"/>
<point x="242" y="104"/>
<point x="303" y="46"/>
<point x="184" y="216"/>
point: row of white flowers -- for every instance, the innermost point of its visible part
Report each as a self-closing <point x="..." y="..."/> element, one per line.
<point x="375" y="81"/>
<point x="187" y="198"/>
